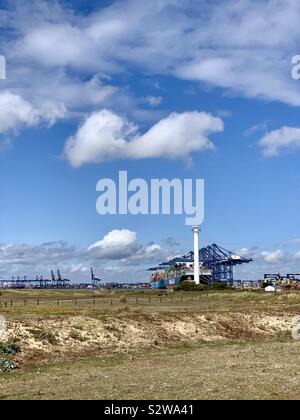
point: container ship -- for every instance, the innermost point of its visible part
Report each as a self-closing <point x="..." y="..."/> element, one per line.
<point x="210" y="264"/>
<point x="170" y="275"/>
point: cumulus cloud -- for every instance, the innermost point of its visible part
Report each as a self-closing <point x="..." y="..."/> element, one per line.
<point x="274" y="257"/>
<point x="243" y="47"/>
<point x="246" y="253"/>
<point x="268" y="261"/>
<point x="105" y="136"/>
<point x="62" y="61"/>
<point x="122" y="245"/>
<point x="116" y="245"/>
<point x="146" y="255"/>
<point x="17" y="113"/>
<point x="277" y="141"/>
<point x="117" y="256"/>
<point x="25" y="255"/>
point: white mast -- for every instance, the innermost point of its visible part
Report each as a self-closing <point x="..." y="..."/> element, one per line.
<point x="196" y="254"/>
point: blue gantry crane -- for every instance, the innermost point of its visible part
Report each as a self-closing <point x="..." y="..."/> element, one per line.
<point x="218" y="260"/>
<point x="95" y="280"/>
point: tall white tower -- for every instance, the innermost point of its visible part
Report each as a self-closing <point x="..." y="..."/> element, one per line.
<point x="196" y="254"/>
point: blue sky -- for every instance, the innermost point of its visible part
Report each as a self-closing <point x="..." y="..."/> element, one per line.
<point x="81" y="73"/>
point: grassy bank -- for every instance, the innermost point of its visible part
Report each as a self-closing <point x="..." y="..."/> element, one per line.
<point x="183" y="345"/>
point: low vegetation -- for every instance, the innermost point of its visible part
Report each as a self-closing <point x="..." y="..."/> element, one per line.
<point x="46" y="336"/>
<point x="76" y="335"/>
<point x="179" y="332"/>
<point x="9" y="347"/>
<point x="191" y="286"/>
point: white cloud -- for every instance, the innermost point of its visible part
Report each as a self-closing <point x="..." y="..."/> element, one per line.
<point x="62" y="62"/>
<point x="245" y="253"/>
<point x="35" y="255"/>
<point x="17" y="113"/>
<point x="116" y="245"/>
<point x="297" y="255"/>
<point x="283" y="139"/>
<point x="146" y="255"/>
<point x="101" y="137"/>
<point x="58" y="56"/>
<point x="274" y="257"/>
<point x="262" y="126"/>
<point x="122" y="246"/>
<point x="152" y="100"/>
<point x="116" y="253"/>
<point x="105" y="136"/>
<point x="270" y="261"/>
<point x="244" y="47"/>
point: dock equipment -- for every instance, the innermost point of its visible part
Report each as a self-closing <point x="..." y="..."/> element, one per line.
<point x="38" y="283"/>
<point x="215" y="258"/>
<point x="278" y="279"/>
<point x="95" y="280"/>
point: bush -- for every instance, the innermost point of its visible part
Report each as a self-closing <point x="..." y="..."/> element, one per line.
<point x="41" y="335"/>
<point x="190" y="286"/>
<point x="10" y="347"/>
<point x="75" y="335"/>
<point x="219" y="286"/>
<point x="6" y="365"/>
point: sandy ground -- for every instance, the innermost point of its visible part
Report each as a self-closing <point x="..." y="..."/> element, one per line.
<point x="211" y="346"/>
<point x="268" y="370"/>
<point x="73" y="335"/>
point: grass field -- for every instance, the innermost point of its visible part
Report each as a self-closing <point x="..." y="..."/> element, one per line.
<point x="132" y="345"/>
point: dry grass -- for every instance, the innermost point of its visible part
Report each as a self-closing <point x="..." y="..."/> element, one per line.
<point x="221" y="344"/>
<point x="210" y="371"/>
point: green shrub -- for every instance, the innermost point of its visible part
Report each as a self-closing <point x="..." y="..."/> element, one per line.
<point x="6" y="365"/>
<point x="219" y="286"/>
<point x="42" y="335"/>
<point x="9" y="347"/>
<point x="190" y="286"/>
<point x="75" y="335"/>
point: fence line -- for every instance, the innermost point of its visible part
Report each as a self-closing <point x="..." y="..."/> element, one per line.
<point x="132" y="301"/>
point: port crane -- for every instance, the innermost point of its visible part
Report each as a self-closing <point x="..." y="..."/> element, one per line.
<point x="95" y="280"/>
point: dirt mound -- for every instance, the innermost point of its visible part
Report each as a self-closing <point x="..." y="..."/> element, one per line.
<point x="56" y="338"/>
